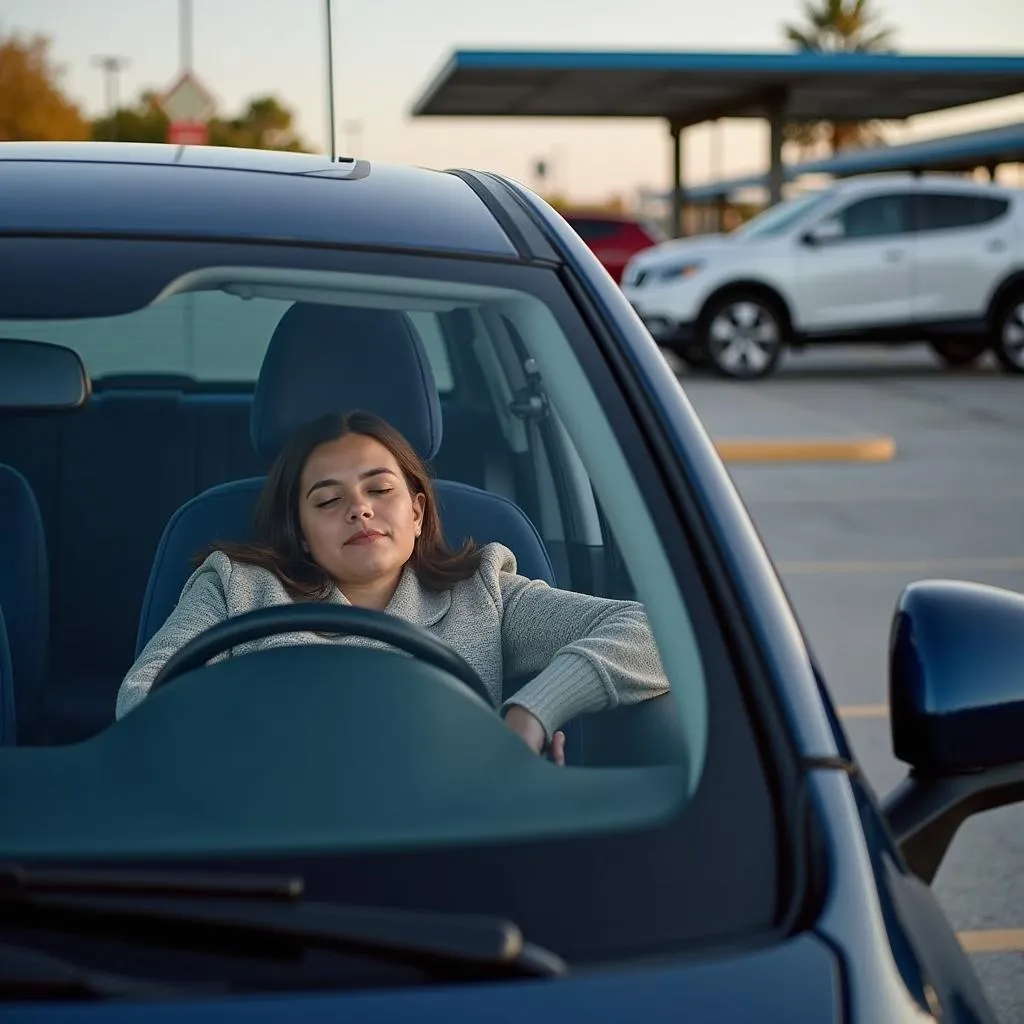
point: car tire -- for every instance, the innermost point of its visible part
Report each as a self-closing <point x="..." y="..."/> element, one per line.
<point x="742" y="335"/>
<point x="959" y="352"/>
<point x="1008" y="333"/>
<point x="692" y="355"/>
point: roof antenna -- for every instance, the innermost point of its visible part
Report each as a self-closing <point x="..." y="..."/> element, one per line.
<point x="330" y="85"/>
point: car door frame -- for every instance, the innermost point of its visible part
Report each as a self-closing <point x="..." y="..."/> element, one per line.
<point x="881" y="256"/>
<point x="965" y="315"/>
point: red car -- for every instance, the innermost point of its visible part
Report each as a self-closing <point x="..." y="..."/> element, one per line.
<point x="614" y="238"/>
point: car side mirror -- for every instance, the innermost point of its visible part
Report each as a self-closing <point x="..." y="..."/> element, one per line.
<point x="956" y="701"/>
<point x="36" y="376"/>
<point x="830" y="230"/>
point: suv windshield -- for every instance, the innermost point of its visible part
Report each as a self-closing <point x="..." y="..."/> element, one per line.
<point x="777" y="220"/>
<point x="361" y="762"/>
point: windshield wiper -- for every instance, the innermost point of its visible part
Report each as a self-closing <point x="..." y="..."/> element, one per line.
<point x="251" y="913"/>
<point x="16" y="879"/>
<point x="32" y="974"/>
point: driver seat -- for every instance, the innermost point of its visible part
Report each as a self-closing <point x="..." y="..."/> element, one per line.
<point x="322" y="359"/>
<point x="327" y="358"/>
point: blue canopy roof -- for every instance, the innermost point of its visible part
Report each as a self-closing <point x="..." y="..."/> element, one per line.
<point x="950" y="153"/>
<point x="689" y="88"/>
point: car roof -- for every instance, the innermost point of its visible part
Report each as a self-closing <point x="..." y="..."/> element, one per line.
<point x="945" y="182"/>
<point x="219" y="192"/>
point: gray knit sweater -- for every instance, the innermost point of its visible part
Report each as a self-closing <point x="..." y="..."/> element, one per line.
<point x="582" y="653"/>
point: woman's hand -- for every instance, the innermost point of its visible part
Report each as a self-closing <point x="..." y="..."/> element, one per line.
<point x="527" y="726"/>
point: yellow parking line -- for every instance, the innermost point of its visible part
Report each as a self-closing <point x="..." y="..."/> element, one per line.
<point x="807" y="449"/>
<point x="864" y="711"/>
<point x="993" y="940"/>
<point x="1007" y="563"/>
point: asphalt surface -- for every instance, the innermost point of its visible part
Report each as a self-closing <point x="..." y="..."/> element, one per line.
<point x="848" y="537"/>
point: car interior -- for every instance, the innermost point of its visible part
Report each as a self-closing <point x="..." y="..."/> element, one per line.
<point x="105" y="505"/>
<point x="147" y="441"/>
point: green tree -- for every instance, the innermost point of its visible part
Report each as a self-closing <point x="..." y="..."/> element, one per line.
<point x="145" y="122"/>
<point x="839" y="26"/>
<point x="33" y="106"/>
<point x="265" y="124"/>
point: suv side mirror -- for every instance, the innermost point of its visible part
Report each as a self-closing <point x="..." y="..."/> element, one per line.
<point x="826" y="231"/>
<point x="956" y="695"/>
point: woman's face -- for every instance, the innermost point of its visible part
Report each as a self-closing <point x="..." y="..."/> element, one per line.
<point x="357" y="514"/>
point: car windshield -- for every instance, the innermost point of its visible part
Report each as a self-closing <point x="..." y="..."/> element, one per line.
<point x="777" y="220"/>
<point x="366" y="764"/>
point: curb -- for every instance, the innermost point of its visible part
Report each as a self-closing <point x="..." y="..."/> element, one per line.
<point x="879" y="448"/>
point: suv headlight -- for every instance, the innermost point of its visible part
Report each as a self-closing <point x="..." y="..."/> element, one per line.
<point x="679" y="270"/>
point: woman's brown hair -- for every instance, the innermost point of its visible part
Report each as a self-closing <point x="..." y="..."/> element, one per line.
<point x="277" y="544"/>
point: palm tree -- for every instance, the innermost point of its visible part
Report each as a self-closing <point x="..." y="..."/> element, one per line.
<point x="839" y="26"/>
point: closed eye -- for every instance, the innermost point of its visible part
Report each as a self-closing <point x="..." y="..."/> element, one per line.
<point x="327" y="503"/>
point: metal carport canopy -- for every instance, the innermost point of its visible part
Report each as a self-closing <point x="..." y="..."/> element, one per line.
<point x="690" y="88"/>
<point x="986" y="148"/>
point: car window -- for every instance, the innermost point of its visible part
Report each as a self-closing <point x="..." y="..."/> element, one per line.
<point x="428" y="325"/>
<point x="936" y="211"/>
<point x="208" y="336"/>
<point x="635" y="845"/>
<point x="876" y="216"/>
<point x="778" y="219"/>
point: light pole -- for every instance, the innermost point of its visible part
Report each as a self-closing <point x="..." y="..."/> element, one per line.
<point x="185" y="30"/>
<point x="111" y="66"/>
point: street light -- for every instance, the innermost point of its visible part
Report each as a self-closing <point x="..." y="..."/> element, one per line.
<point x="111" y="66"/>
<point x="185" y="30"/>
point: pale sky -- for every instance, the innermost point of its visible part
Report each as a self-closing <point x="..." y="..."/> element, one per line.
<point x="386" y="52"/>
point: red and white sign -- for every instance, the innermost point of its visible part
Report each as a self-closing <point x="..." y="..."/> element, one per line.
<point x="187" y="133"/>
<point x="188" y="105"/>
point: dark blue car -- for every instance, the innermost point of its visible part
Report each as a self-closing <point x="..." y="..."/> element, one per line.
<point x="338" y="832"/>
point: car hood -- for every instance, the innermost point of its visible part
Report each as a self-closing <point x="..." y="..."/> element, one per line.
<point x="684" y="249"/>
<point x="792" y="983"/>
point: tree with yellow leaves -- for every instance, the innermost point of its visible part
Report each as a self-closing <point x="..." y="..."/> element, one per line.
<point x="32" y="104"/>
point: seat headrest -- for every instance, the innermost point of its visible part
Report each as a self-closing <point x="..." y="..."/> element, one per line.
<point x="323" y="359"/>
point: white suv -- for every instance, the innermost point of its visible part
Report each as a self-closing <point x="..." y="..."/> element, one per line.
<point x="887" y="258"/>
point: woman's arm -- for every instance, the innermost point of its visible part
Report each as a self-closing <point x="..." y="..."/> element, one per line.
<point x="585" y="653"/>
<point x="202" y="604"/>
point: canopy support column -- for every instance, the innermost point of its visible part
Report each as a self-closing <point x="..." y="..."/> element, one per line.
<point x="676" y="131"/>
<point x="776" y="134"/>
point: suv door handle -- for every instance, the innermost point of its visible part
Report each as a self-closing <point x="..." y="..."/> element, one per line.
<point x="996" y="245"/>
<point x="894" y="255"/>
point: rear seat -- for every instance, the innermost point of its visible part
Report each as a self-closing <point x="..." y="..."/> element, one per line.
<point x="107" y="478"/>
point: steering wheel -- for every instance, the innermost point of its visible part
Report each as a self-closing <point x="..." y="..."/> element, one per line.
<point x="321" y="618"/>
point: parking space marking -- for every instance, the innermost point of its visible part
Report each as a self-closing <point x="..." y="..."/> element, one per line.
<point x="807" y="449"/>
<point x="993" y="940"/>
<point x="1006" y="563"/>
<point x="864" y="711"/>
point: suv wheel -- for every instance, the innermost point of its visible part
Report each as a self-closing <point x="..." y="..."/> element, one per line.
<point x="741" y="335"/>
<point x="692" y="355"/>
<point x="1008" y="338"/>
<point x="959" y="351"/>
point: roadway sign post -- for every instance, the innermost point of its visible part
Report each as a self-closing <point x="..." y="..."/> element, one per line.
<point x="189" y="106"/>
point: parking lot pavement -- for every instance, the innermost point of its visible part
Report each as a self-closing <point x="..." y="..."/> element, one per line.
<point x="848" y="537"/>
